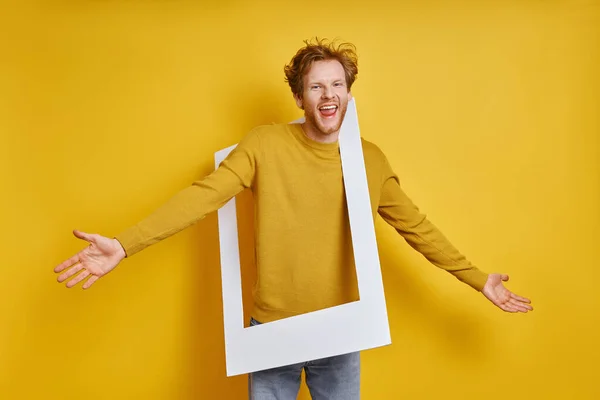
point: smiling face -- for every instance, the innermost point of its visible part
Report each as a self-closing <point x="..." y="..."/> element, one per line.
<point x="324" y="100"/>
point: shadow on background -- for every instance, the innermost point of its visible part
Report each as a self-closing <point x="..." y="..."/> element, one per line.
<point x="414" y="304"/>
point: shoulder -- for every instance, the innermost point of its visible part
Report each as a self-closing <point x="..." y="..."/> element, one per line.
<point x="375" y="160"/>
<point x="269" y="131"/>
<point x="372" y="152"/>
<point x="263" y="135"/>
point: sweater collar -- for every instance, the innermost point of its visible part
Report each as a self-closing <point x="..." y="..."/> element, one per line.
<point x="299" y="133"/>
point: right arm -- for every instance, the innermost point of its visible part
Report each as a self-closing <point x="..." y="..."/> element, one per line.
<point x="193" y="203"/>
<point x="182" y="210"/>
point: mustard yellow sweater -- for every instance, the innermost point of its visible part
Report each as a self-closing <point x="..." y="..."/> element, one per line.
<point x="303" y="246"/>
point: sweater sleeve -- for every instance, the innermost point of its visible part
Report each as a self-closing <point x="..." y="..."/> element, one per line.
<point x="399" y="211"/>
<point x="193" y="203"/>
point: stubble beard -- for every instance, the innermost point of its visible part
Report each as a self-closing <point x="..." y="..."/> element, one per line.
<point x="311" y="117"/>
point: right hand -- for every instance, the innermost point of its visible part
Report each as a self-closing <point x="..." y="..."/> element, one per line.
<point x="98" y="259"/>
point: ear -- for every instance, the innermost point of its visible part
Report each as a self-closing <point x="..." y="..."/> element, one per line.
<point x="299" y="102"/>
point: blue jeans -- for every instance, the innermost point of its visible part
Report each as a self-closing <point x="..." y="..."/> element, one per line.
<point x="332" y="378"/>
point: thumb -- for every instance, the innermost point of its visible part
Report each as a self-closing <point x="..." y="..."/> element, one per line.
<point x="82" y="235"/>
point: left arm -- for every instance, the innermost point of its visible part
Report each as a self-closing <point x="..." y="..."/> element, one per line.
<point x="399" y="211"/>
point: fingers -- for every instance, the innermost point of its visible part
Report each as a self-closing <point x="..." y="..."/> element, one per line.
<point x="75" y="259"/>
<point x="90" y="281"/>
<point x="507" y="307"/>
<point x="70" y="273"/>
<point x="520" y="306"/>
<point x="514" y="306"/>
<point x="65" y="264"/>
<point x="519" y="298"/>
<point x="78" y="278"/>
<point x="74" y="265"/>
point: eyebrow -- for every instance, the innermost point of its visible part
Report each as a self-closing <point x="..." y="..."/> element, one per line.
<point x="320" y="83"/>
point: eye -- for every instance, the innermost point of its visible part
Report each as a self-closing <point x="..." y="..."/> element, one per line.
<point x="315" y="86"/>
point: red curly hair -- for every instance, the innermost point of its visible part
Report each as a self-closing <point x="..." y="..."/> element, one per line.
<point x="319" y="50"/>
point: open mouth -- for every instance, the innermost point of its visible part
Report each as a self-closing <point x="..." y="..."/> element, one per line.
<point x="328" y="110"/>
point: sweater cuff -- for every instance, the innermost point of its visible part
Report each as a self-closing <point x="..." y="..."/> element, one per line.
<point x="130" y="241"/>
<point x="472" y="277"/>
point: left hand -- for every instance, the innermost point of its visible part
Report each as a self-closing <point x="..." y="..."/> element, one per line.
<point x="503" y="298"/>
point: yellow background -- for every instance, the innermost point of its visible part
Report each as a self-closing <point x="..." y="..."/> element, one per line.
<point x="488" y="111"/>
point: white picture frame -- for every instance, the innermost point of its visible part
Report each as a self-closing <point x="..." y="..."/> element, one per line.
<point x="351" y="327"/>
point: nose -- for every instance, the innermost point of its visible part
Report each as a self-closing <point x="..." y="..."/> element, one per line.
<point x="327" y="93"/>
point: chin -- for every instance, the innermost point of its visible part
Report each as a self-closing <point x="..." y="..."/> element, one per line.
<point x="333" y="130"/>
<point x="329" y="128"/>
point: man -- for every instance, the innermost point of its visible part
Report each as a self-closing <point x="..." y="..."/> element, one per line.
<point x="303" y="245"/>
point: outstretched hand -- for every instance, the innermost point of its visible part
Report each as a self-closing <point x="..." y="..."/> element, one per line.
<point x="495" y="291"/>
<point x="98" y="259"/>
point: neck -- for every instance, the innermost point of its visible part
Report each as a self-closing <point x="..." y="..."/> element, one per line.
<point x="315" y="134"/>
